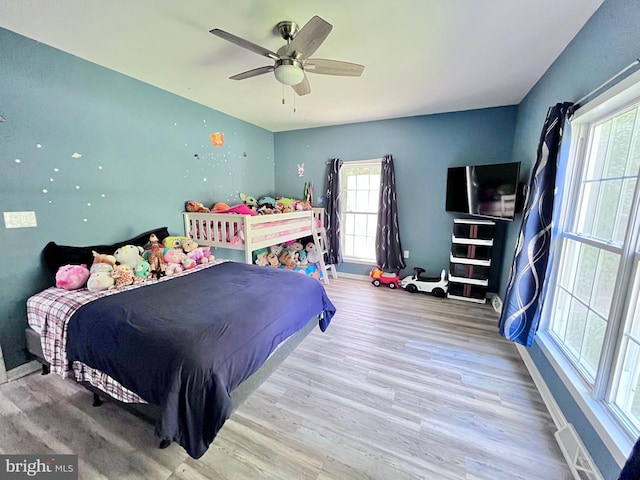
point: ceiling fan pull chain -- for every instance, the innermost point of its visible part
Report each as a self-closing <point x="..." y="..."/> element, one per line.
<point x="283" y="93"/>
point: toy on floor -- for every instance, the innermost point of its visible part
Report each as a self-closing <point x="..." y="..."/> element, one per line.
<point x="378" y="277"/>
<point x="437" y="286"/>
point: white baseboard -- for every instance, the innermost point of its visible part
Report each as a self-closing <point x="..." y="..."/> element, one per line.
<point x="3" y="372"/>
<point x="557" y="416"/>
<point x="575" y="453"/>
<point x="23" y="370"/>
<point x="354" y="276"/>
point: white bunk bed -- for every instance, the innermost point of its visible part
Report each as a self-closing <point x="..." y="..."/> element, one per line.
<point x="250" y="233"/>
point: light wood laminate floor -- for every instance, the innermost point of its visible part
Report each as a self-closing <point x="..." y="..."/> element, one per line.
<point x="401" y="386"/>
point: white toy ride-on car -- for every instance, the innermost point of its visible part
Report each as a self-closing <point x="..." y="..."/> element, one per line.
<point x="437" y="286"/>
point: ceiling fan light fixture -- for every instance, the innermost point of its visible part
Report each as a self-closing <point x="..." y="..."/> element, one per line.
<point x="289" y="71"/>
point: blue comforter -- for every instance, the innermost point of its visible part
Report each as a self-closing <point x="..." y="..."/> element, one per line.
<point x="186" y="343"/>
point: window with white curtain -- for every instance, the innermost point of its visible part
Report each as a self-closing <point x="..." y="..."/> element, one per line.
<point x="360" y="184"/>
<point x="592" y="311"/>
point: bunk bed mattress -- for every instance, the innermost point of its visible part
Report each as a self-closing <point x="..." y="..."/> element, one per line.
<point x="185" y="344"/>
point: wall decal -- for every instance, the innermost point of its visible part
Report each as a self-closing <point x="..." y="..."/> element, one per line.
<point x="76" y="155"/>
<point x="217" y="139"/>
<point x="300" y="169"/>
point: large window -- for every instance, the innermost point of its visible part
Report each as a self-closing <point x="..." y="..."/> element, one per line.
<point x="593" y="309"/>
<point x="360" y="183"/>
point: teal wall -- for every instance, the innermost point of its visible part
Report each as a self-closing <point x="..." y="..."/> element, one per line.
<point x="423" y="148"/>
<point x="138" y="145"/>
<point x="137" y="169"/>
<point x="609" y="42"/>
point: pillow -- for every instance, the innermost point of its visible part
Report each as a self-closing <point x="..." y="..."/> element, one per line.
<point x="56" y="256"/>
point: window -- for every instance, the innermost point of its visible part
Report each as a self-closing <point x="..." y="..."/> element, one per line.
<point x="592" y="313"/>
<point x="360" y="184"/>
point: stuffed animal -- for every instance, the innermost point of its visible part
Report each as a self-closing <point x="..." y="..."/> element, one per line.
<point x="173" y="241"/>
<point x="141" y="271"/>
<point x="129" y="255"/>
<point x="188" y="263"/>
<point x="122" y="275"/>
<point x="272" y="258"/>
<point x="313" y="256"/>
<point x="296" y="247"/>
<point x="220" y="207"/>
<point x="300" y="205"/>
<point x="302" y="258"/>
<point x="172" y="269"/>
<point x="100" y="280"/>
<point x="267" y="201"/>
<point x="298" y="252"/>
<point x="198" y="254"/>
<point x="187" y="245"/>
<point x="155" y="259"/>
<point x="261" y="259"/>
<point x="287" y="258"/>
<point x="249" y="201"/>
<point x="102" y="258"/>
<point x="72" y="277"/>
<point x="284" y="204"/>
<point x="101" y="267"/>
<point x="173" y="258"/>
<point x="193" y="206"/>
<point x="265" y="210"/>
<point x="276" y="249"/>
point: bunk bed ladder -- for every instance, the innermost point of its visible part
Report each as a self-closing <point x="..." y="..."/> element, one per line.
<point x="320" y="240"/>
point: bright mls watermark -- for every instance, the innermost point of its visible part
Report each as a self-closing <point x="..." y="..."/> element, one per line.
<point x="50" y="467"/>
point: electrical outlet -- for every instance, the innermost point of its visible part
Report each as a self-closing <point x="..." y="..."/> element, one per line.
<point x="406" y="254"/>
<point x="19" y="219"/>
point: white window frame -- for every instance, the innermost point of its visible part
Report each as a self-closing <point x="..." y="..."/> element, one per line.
<point x="377" y="162"/>
<point x="595" y="400"/>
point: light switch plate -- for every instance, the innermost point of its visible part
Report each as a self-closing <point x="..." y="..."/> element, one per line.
<point x="20" y="219"/>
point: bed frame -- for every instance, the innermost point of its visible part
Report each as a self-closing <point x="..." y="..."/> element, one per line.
<point x="150" y="412"/>
<point x="250" y="233"/>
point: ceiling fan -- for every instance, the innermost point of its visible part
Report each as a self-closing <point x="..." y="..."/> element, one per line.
<point x="291" y="61"/>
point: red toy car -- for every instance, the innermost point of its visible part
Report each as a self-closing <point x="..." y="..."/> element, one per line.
<point x="379" y="277"/>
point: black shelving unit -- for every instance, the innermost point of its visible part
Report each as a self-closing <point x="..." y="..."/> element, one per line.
<point x="470" y="261"/>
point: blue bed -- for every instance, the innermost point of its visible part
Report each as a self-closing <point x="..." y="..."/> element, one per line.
<point x="186" y="344"/>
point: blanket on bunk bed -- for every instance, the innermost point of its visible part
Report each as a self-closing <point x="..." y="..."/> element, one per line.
<point x="185" y="344"/>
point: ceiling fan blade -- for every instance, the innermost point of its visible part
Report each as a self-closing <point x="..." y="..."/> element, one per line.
<point x="309" y="38"/>
<point x="302" y="88"/>
<point x="252" y="73"/>
<point x="333" y="67"/>
<point x="244" y="43"/>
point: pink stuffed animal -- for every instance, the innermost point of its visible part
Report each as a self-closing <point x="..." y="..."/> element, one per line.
<point x="173" y="257"/>
<point x="72" y="277"/>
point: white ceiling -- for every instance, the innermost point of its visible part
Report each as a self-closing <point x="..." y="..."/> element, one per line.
<point x="420" y="56"/>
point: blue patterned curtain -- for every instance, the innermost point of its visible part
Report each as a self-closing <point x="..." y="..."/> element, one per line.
<point x="524" y="296"/>
<point x="332" y="210"/>
<point x="631" y="469"/>
<point x="388" y="247"/>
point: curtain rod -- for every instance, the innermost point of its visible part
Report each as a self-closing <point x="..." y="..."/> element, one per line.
<point x="357" y="161"/>
<point x="578" y="103"/>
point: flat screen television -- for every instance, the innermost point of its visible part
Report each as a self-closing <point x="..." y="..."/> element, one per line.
<point x="491" y="191"/>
